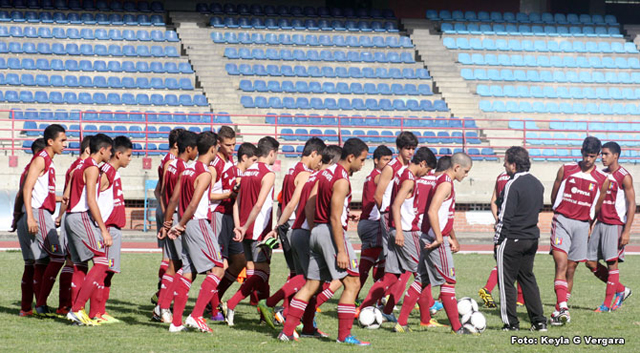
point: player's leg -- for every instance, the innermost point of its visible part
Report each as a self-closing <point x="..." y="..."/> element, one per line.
<point x="530" y="290"/>
<point x="113" y="257"/>
<point x="297" y="309"/>
<point x="232" y="251"/>
<point x="164" y="264"/>
<point x="409" y="302"/>
<point x="442" y="273"/>
<point x="28" y="245"/>
<point x="560" y="248"/>
<point x="370" y="236"/>
<point x="49" y="239"/>
<point x="66" y="279"/>
<point x="408" y="256"/>
<point x="393" y="270"/>
<point x="347" y="311"/>
<point x="508" y="258"/>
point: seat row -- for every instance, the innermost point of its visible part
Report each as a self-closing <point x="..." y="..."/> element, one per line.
<point x="335" y="88"/>
<point x="342" y="104"/>
<point x="520" y="17"/>
<point x="295" y="11"/>
<point x="526" y="30"/>
<point x="326" y="71"/>
<point x="312" y="40"/>
<point x="601" y="93"/>
<point x="75" y="18"/>
<point x="88" y="49"/>
<point x="120" y="116"/>
<point x="299" y="25"/>
<point x="100" y="98"/>
<point x="97" y="65"/>
<point x="376" y="136"/>
<point x="323" y="55"/>
<point x="575" y="139"/>
<point x="539" y="46"/>
<point x="369" y="120"/>
<point x="89" y="34"/>
<point x="97" y="81"/>
<point x="586" y="62"/>
<point x="550" y="154"/>
<point x="551" y="76"/>
<point x="88" y="5"/>
<point x="498" y="106"/>
<point x="571" y="125"/>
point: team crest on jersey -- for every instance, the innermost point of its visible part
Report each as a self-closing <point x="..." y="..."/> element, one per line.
<point x="100" y="245"/>
<point x="558" y="241"/>
<point x="354" y="263"/>
<point x="452" y="272"/>
<point x="112" y="262"/>
<point x="591" y="186"/>
<point x="54" y="248"/>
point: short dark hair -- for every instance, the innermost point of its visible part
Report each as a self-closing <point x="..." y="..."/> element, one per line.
<point x="382" y="151"/>
<point x="205" y="141"/>
<point x="444" y="163"/>
<point x="331" y="154"/>
<point x="406" y="139"/>
<point x="38" y="145"/>
<point x="226" y="132"/>
<point x="98" y="142"/>
<point x="174" y="135"/>
<point x="122" y="144"/>
<point x="52" y="131"/>
<point x="424" y="154"/>
<point x="591" y="144"/>
<point x="86" y="143"/>
<point x="247" y="149"/>
<point x="353" y="146"/>
<point x="613" y="147"/>
<point x="314" y="144"/>
<point x="520" y="157"/>
<point x="187" y="139"/>
<point x="266" y="145"/>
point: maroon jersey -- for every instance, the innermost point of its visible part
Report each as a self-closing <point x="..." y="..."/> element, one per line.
<point x="386" y="198"/>
<point x="168" y="157"/>
<point x="408" y="215"/>
<point x="614" y="206"/>
<point x="229" y="180"/>
<point x="111" y="200"/>
<point x="188" y="188"/>
<point x="578" y="192"/>
<point x="78" y="195"/>
<point x="447" y="209"/>
<point x="289" y="185"/>
<point x="423" y="189"/>
<point x="249" y="192"/>
<point x="326" y="180"/>
<point x="301" y="218"/>
<point x="224" y="172"/>
<point x="43" y="195"/>
<point x="369" y="209"/>
<point x="171" y="176"/>
<point x="501" y="182"/>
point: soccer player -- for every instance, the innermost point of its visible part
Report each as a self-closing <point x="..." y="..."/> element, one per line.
<point x="438" y="241"/>
<point x="252" y="215"/>
<point x="174" y="135"/>
<point x="187" y="152"/>
<point x="36" y="147"/>
<point x="616" y="205"/>
<point x="200" y="250"/>
<point x="332" y="256"/>
<point x="369" y="225"/>
<point x="112" y="211"/>
<point x="37" y="234"/>
<point x="574" y="196"/>
<point x="87" y="234"/>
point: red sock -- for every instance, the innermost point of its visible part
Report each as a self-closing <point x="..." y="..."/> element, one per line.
<point x="215" y="302"/>
<point x="425" y="302"/>
<point x="520" y="295"/>
<point x="296" y="311"/>
<point x="448" y="297"/>
<point x="166" y="290"/>
<point x="378" y="271"/>
<point x="379" y="288"/>
<point x="492" y="280"/>
<point x="325" y="295"/>
<point x="38" y="273"/>
<point x="612" y="284"/>
<point x="79" y="274"/>
<point x="182" y="296"/>
<point x="560" y="286"/>
<point x="66" y="276"/>
<point x="603" y="274"/>
<point x="409" y="302"/>
<point x="106" y="291"/>
<point x="164" y="265"/>
<point x="207" y="290"/>
<point x="309" y="315"/>
<point x="292" y="286"/>
<point x="396" y="291"/>
<point x="263" y="289"/>
<point x="249" y="286"/>
<point x="27" y="287"/>
<point x="48" y="279"/>
<point x="346" y="314"/>
<point x="96" y="300"/>
<point x="94" y="278"/>
<point x="225" y="283"/>
<point x="368" y="258"/>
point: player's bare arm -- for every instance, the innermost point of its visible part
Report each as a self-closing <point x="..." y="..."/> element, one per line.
<point x="65" y="202"/>
<point x="383" y="181"/>
<point x="17" y="208"/>
<point x="288" y="210"/>
<point x="556" y="185"/>
<point x="35" y="170"/>
<point x="201" y="184"/>
<point x="236" y="212"/>
<point x="630" y="196"/>
<point x="442" y="193"/>
<point x="310" y="207"/>
<point x="171" y="207"/>
<point x="340" y="192"/>
<point x="406" y="189"/>
<point x="603" y="194"/>
<point x="163" y="190"/>
<point x="492" y="204"/>
<point x="217" y="196"/>
<point x="265" y="188"/>
<point x="453" y="241"/>
<point x="92" y="174"/>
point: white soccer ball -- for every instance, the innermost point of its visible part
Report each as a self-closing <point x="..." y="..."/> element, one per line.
<point x="370" y="317"/>
<point x="476" y="320"/>
<point x="466" y="305"/>
<point x="470" y="328"/>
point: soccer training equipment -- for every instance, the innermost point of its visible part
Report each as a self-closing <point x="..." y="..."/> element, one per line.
<point x="44" y="311"/>
<point x="602" y="309"/>
<point x="388" y="317"/>
<point x="279" y="315"/>
<point x="620" y="298"/>
<point x="271" y="243"/>
<point x="476" y="320"/>
<point x="175" y="329"/>
<point x="559" y="318"/>
<point x="25" y="313"/>
<point x="217" y="317"/>
<point x="465" y="330"/>
<point x="402" y="329"/>
<point x="354" y="341"/>
<point x="267" y="313"/>
<point x="466" y="305"/>
<point x="432" y="323"/>
<point x="230" y="313"/>
<point x="284" y="338"/>
<point x="486" y="297"/>
<point x="198" y="324"/>
<point x="437" y="306"/>
<point x="166" y="315"/>
<point x="156" y="314"/>
<point x="370" y="317"/>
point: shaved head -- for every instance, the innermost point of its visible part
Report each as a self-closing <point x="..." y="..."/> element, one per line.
<point x="462" y="159"/>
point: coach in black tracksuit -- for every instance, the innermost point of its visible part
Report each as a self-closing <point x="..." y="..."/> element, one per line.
<point x="517" y="236"/>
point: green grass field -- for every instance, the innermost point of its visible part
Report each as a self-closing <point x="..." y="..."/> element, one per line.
<point x="132" y="289"/>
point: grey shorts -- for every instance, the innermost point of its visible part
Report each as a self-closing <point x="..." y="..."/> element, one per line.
<point x="570" y="236"/>
<point x="300" y="250"/>
<point x="45" y="242"/>
<point x="222" y="225"/>
<point x="85" y="238"/>
<point x="113" y="252"/>
<point x="370" y="234"/>
<point x="159" y="224"/>
<point x="384" y="232"/>
<point x="173" y="248"/>
<point x="603" y="243"/>
<point x="436" y="265"/>
<point x="64" y="239"/>
<point x="200" y="250"/>
<point x="254" y="253"/>
<point x="403" y="258"/>
<point x="285" y="241"/>
<point x="323" y="264"/>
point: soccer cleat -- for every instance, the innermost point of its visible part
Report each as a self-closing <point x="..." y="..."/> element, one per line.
<point x="620" y="298"/>
<point x="217" y="317"/>
<point x="315" y="334"/>
<point x="510" y="328"/>
<point x="63" y="311"/>
<point x="86" y="319"/>
<point x="389" y="317"/>
<point x="354" y="341"/>
<point x="44" y="311"/>
<point x="357" y="312"/>
<point x="156" y="314"/>
<point x="432" y="323"/>
<point x="99" y="320"/>
<point x="437" y="306"/>
<point x="197" y="323"/>
<point x="464" y="331"/>
<point x="25" y="313"/>
<point x="539" y="326"/>
<point x="74" y="318"/>
<point x="229" y="316"/>
<point x="279" y="317"/>
<point x="284" y="338"/>
<point x="519" y="304"/>
<point x="175" y="329"/>
<point x="358" y="303"/>
<point x="560" y="317"/>
<point x="486" y="297"/>
<point x="401" y="328"/>
<point x="110" y="319"/>
<point x="267" y="313"/>
<point x="154" y="298"/>
<point x="602" y="309"/>
<point x="166" y="316"/>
